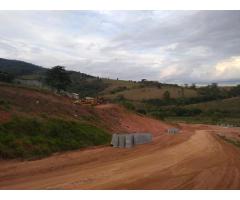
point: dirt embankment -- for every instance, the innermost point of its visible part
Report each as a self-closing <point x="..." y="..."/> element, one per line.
<point x="122" y="121"/>
<point x="114" y="118"/>
<point x="4" y="116"/>
<point x="33" y="102"/>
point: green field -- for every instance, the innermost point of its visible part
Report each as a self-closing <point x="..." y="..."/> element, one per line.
<point x="139" y="91"/>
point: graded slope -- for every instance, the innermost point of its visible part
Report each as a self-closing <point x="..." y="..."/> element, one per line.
<point x="32" y="102"/>
<point x="121" y="120"/>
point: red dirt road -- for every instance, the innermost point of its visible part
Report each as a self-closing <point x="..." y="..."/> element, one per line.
<point x="197" y="160"/>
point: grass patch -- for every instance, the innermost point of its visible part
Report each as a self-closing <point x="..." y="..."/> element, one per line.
<point x="34" y="138"/>
<point x="118" y="89"/>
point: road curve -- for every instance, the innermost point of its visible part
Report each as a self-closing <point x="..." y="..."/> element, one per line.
<point x="198" y="161"/>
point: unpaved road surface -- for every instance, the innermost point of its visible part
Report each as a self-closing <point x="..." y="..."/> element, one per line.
<point x="189" y="160"/>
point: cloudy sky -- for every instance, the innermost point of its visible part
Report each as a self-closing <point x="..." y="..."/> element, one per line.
<point x="168" y="46"/>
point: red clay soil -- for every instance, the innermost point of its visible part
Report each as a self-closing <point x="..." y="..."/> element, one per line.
<point x="197" y="160"/>
<point x="36" y="102"/>
<point x="122" y="121"/>
<point x="230" y="133"/>
<point x="4" y="116"/>
<point x="30" y="102"/>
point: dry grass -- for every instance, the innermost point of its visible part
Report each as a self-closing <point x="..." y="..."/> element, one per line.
<point x="138" y="94"/>
<point x="113" y="84"/>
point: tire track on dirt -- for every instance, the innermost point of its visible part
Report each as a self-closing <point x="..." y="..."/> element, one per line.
<point x="201" y="161"/>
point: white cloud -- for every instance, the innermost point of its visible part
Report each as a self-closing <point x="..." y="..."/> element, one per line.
<point x="172" y="46"/>
<point x="228" y="68"/>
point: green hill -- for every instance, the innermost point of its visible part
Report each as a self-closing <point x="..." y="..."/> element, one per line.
<point x="87" y="85"/>
<point x="153" y="98"/>
<point x="19" y="68"/>
<point x="222" y="111"/>
<point x="230" y="104"/>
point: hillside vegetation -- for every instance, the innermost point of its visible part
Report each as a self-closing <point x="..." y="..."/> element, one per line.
<point x="144" y="93"/>
<point x="36" y="123"/>
<point x="86" y="85"/>
<point x="221" y="111"/>
<point x="33" y="137"/>
<point x="19" y="68"/>
<point x="230" y="104"/>
<point x="209" y="104"/>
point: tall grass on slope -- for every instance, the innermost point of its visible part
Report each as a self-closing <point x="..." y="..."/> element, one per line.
<point x="34" y="138"/>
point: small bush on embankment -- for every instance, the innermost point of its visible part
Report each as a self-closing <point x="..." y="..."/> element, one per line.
<point x="34" y="138"/>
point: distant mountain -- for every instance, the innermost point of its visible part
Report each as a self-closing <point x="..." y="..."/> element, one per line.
<point x="19" y="68"/>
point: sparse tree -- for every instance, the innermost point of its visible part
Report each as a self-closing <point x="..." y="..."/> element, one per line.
<point x="6" y="77"/>
<point x="182" y="91"/>
<point x="214" y="85"/>
<point x="193" y="86"/>
<point x="57" y="77"/>
<point x="235" y="91"/>
<point x="166" y="95"/>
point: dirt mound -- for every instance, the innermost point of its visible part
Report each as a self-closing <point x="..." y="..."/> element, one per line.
<point x="123" y="121"/>
<point x="4" y="116"/>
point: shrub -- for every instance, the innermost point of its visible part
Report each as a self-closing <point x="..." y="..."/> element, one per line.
<point x="142" y="111"/>
<point x="157" y="114"/>
<point x="119" y="98"/>
<point x="118" y="89"/>
<point x="128" y="105"/>
<point x="6" y="77"/>
<point x="166" y="95"/>
<point x="33" y="138"/>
